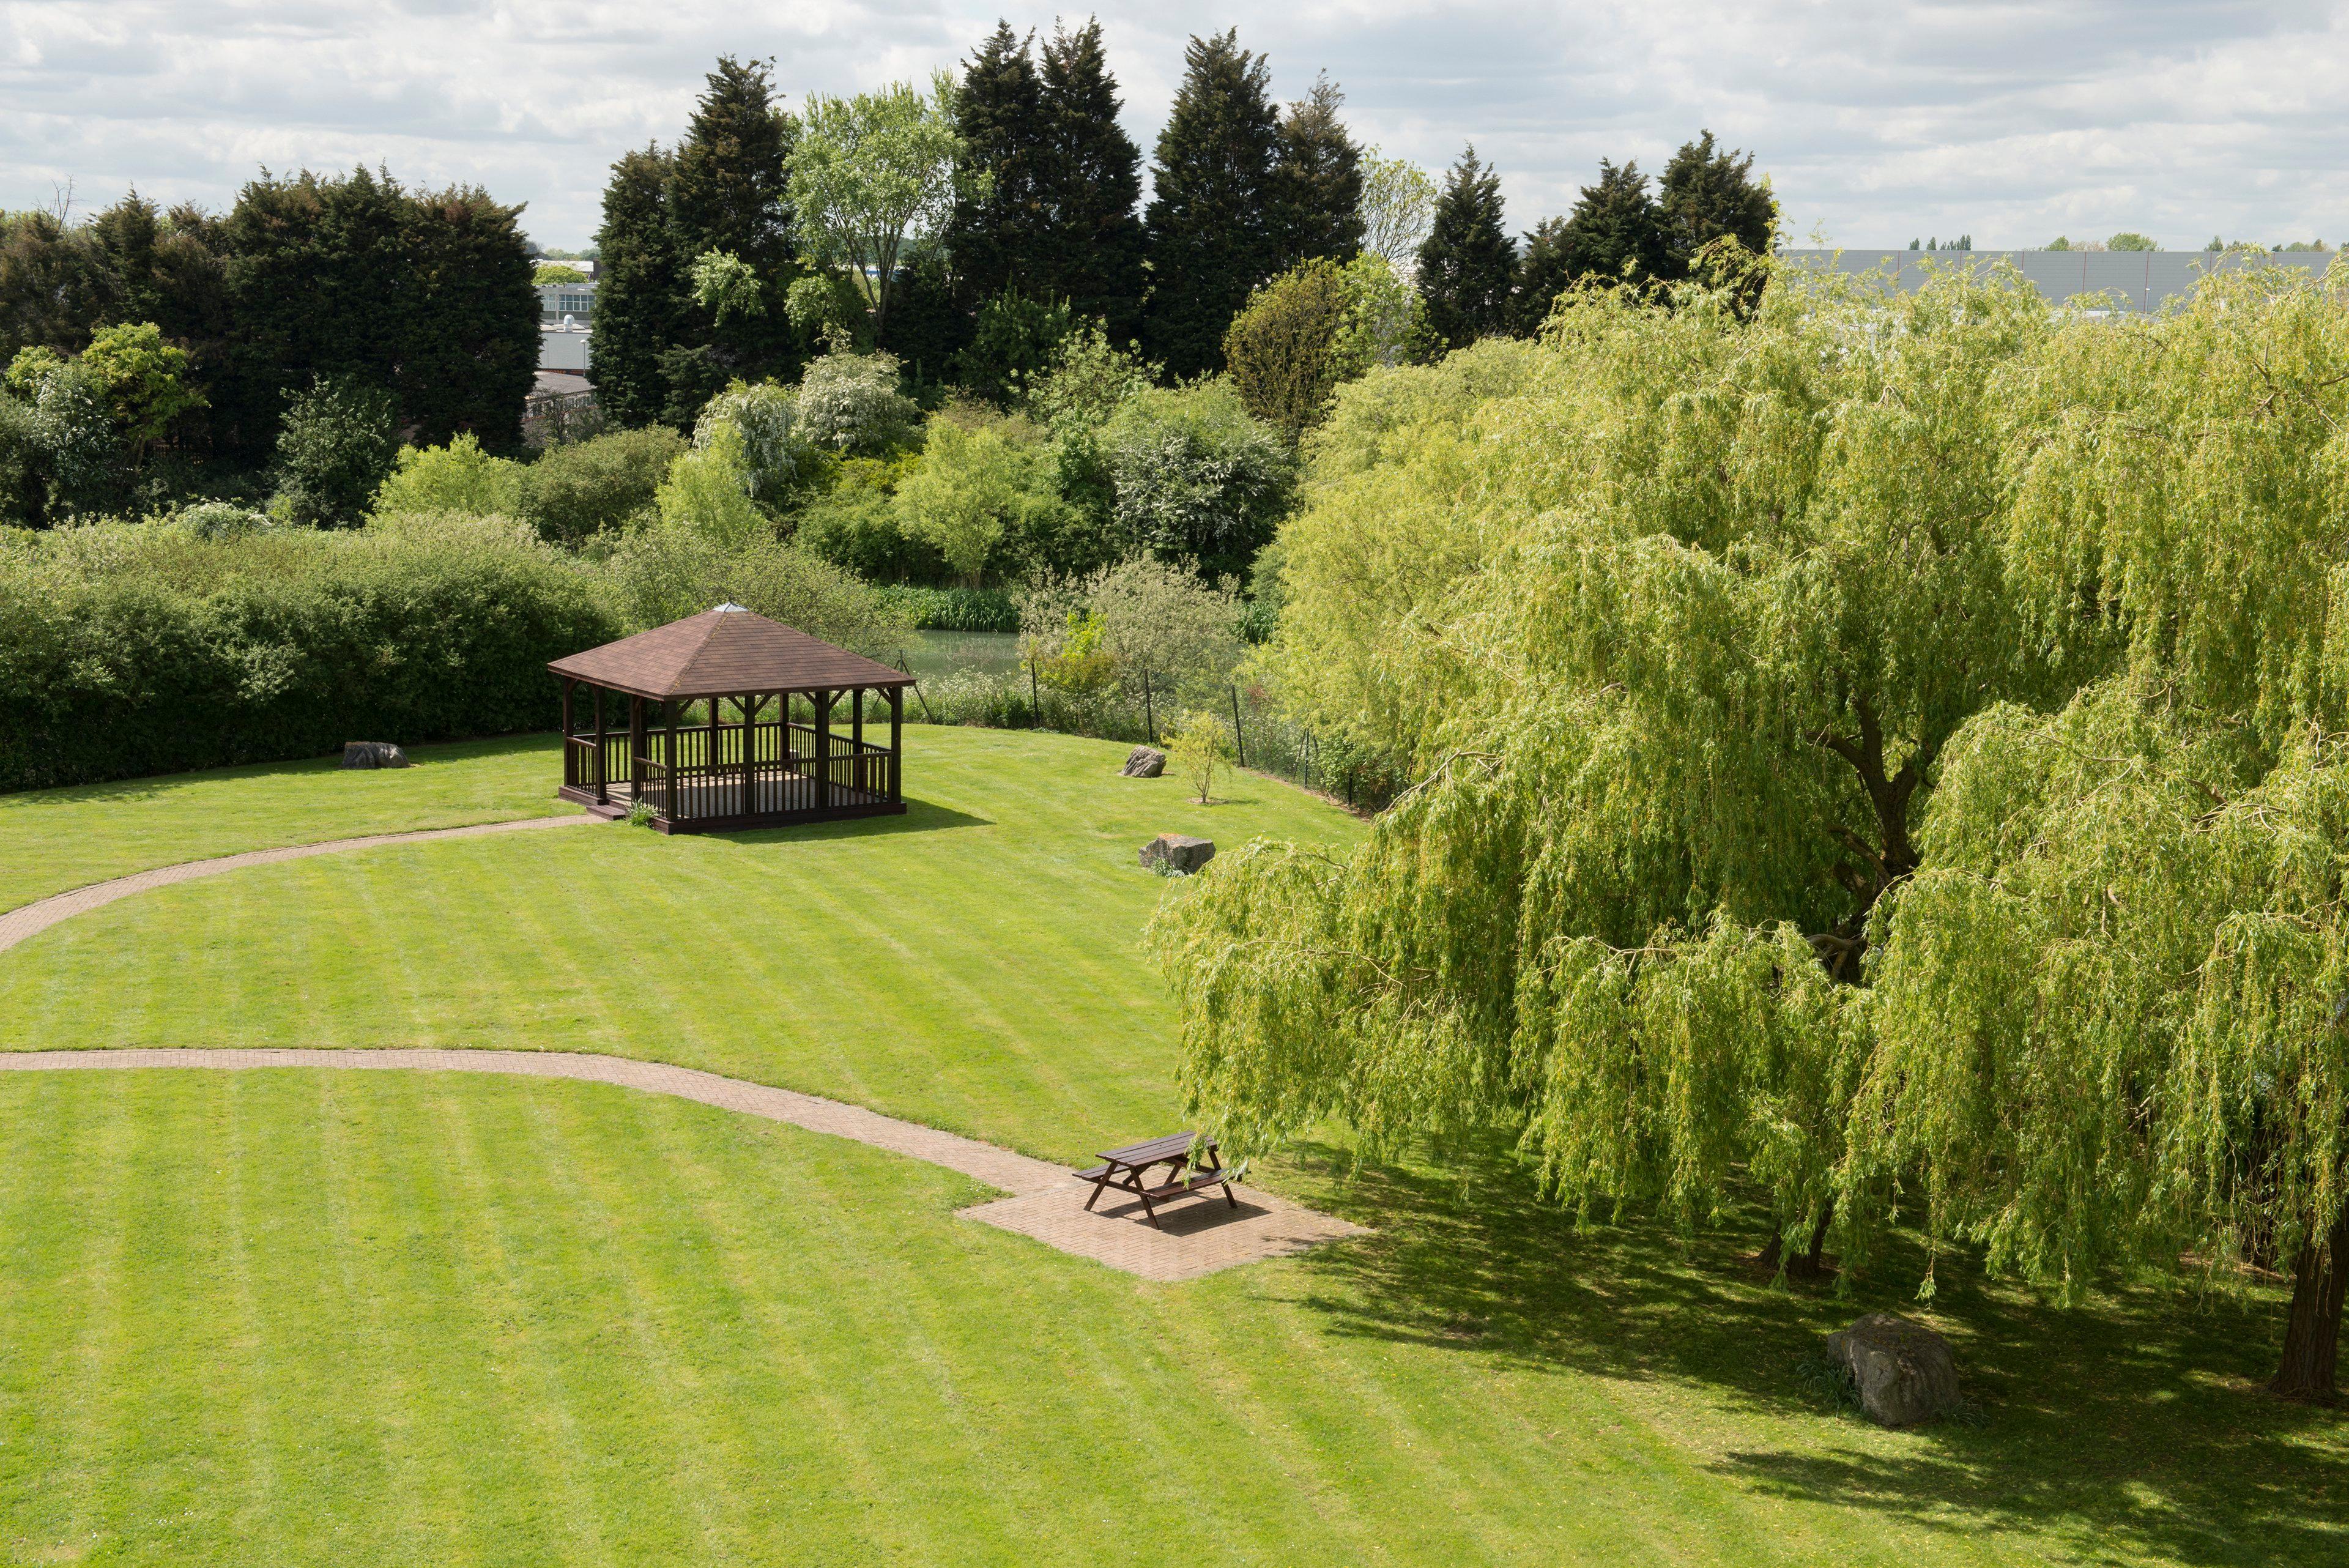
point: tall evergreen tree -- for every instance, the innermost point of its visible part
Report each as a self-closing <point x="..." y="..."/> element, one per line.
<point x="728" y="193"/>
<point x="996" y="236"/>
<point x="1614" y="230"/>
<point x="640" y="288"/>
<point x="472" y="334"/>
<point x="1707" y="194"/>
<point x="1468" y="265"/>
<point x="1316" y="181"/>
<point x="1544" y="274"/>
<point x="1089" y="181"/>
<point x="1212" y="239"/>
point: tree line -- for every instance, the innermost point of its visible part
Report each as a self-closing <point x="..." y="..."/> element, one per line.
<point x="418" y="302"/>
<point x="965" y="229"/>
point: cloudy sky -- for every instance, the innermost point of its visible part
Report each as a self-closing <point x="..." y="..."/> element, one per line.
<point x="1878" y="122"/>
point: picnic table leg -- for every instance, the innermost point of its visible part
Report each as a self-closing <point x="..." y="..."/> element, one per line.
<point x="1100" y="1185"/>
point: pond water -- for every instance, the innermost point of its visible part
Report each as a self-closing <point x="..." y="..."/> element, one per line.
<point x="933" y="653"/>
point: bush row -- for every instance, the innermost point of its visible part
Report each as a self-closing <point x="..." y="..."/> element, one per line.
<point x="955" y="610"/>
<point x="127" y="651"/>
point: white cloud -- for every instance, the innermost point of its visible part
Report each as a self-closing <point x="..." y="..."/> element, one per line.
<point x="1876" y="120"/>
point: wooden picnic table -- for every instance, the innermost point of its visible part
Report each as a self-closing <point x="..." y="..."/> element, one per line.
<point x="1128" y="1169"/>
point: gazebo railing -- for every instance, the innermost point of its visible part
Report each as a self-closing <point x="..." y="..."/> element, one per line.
<point x="784" y="772"/>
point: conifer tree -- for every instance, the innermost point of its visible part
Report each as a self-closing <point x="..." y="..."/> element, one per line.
<point x="729" y="194"/>
<point x="1089" y="182"/>
<point x="1212" y="239"/>
<point x="997" y="235"/>
<point x="1707" y="194"/>
<point x="1317" y="181"/>
<point x="1468" y="265"/>
<point x="1544" y="276"/>
<point x="641" y="289"/>
<point x="1614" y="230"/>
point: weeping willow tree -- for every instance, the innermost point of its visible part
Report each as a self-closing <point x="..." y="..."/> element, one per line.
<point x="2113" y="1008"/>
<point x="1722" y="587"/>
<point x="1723" y="595"/>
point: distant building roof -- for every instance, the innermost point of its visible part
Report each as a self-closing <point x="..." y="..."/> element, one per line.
<point x="2136" y="280"/>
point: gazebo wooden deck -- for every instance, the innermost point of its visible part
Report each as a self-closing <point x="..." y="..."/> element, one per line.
<point x="782" y="757"/>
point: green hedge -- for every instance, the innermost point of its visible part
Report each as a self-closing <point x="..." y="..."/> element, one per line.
<point x="130" y="649"/>
<point x="957" y="609"/>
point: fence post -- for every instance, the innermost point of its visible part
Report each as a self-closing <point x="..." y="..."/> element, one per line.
<point x="1349" y="789"/>
<point x="1035" y="703"/>
<point x="908" y="668"/>
<point x="1239" y="736"/>
<point x="1149" y="715"/>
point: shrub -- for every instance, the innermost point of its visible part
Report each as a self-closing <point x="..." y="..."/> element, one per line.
<point x="704" y="494"/>
<point x="23" y="498"/>
<point x="131" y="648"/>
<point x="1152" y="617"/>
<point x="577" y="492"/>
<point x="334" y="449"/>
<point x="972" y="485"/>
<point x="955" y="610"/>
<point x="1196" y="478"/>
<point x="458" y="477"/>
<point x="1015" y="341"/>
<point x="1199" y="752"/>
<point x="776" y="456"/>
<point x="662" y="575"/>
<point x="854" y="525"/>
<point x="222" y="519"/>
<point x="850" y="403"/>
<point x="1283" y="349"/>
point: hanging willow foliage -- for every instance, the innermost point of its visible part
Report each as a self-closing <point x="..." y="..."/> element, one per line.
<point x="1736" y="622"/>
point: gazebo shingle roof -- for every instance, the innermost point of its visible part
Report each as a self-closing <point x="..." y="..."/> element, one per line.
<point x="723" y="652"/>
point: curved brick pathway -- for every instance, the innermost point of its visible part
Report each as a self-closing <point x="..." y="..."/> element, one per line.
<point x="1201" y="1235"/>
<point x="31" y="919"/>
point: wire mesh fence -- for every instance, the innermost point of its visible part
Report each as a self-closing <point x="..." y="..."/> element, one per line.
<point x="1141" y="709"/>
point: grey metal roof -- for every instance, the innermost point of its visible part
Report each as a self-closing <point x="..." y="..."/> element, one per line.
<point x="2136" y="280"/>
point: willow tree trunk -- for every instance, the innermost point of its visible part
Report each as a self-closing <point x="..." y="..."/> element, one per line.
<point x="2312" y="1335"/>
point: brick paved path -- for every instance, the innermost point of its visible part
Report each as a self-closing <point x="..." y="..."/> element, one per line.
<point x="31" y="919"/>
<point x="1201" y="1236"/>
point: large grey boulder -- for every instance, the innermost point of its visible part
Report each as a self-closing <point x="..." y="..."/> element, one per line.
<point x="373" y="754"/>
<point x="1144" y="763"/>
<point x="1177" y="851"/>
<point x="1903" y="1370"/>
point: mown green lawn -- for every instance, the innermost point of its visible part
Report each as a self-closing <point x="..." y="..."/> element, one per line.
<point x="52" y="840"/>
<point x="298" y="1316"/>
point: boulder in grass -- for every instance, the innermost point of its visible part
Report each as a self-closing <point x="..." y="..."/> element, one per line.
<point x="373" y="754"/>
<point x="1144" y="763"/>
<point x="1903" y="1370"/>
<point x="1177" y="851"/>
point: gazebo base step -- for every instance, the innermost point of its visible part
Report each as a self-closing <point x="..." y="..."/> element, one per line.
<point x="737" y="821"/>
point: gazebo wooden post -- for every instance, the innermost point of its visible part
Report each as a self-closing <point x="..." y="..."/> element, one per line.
<point x="823" y="700"/>
<point x="860" y="776"/>
<point x="570" y="763"/>
<point x="897" y="740"/>
<point x="750" y="709"/>
<point x="636" y="748"/>
<point x="668" y="762"/>
<point x="603" y="784"/>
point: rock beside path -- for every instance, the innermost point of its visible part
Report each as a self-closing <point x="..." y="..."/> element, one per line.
<point x="1904" y="1371"/>
<point x="373" y="754"/>
<point x="1144" y="763"/>
<point x="1177" y="851"/>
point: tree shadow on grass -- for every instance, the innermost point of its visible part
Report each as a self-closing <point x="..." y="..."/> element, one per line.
<point x="2135" y="1424"/>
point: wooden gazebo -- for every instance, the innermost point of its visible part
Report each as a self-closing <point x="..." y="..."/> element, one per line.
<point x="784" y="754"/>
